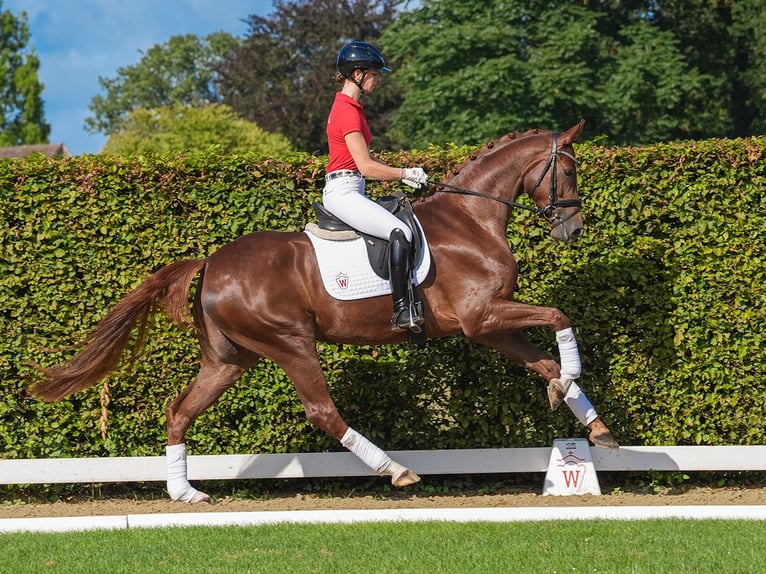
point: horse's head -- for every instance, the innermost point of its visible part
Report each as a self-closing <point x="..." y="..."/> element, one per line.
<point x="551" y="182"/>
<point x="538" y="163"/>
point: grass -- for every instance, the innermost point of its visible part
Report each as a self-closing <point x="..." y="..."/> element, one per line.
<point x="720" y="546"/>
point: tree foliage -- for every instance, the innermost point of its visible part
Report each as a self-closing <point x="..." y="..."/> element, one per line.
<point x="22" y="118"/>
<point x="638" y="71"/>
<point x="281" y="76"/>
<point x="749" y="32"/>
<point x="180" y="71"/>
<point x="185" y="128"/>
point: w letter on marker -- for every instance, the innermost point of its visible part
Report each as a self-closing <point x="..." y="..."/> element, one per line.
<point x="572" y="478"/>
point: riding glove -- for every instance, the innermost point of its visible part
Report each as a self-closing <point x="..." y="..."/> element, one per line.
<point x="415" y="177"/>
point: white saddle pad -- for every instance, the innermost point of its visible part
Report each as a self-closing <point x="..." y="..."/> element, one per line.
<point x="346" y="271"/>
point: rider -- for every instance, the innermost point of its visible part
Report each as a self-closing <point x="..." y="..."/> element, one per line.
<point x="360" y="66"/>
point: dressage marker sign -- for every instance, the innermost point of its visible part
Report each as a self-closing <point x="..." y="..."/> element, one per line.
<point x="570" y="469"/>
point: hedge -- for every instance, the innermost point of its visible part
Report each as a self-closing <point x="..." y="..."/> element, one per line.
<point x="665" y="290"/>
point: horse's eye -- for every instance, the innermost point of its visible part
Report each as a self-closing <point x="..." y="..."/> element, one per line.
<point x="569" y="172"/>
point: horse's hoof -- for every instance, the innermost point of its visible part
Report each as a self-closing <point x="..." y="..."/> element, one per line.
<point x="604" y="440"/>
<point x="557" y="391"/>
<point x="405" y="478"/>
<point x="200" y="497"/>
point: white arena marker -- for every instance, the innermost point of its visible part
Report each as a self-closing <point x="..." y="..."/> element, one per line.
<point x="570" y="469"/>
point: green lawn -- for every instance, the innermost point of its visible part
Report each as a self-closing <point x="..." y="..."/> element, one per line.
<point x="720" y="546"/>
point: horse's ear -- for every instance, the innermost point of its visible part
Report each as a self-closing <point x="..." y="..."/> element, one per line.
<point x="571" y="134"/>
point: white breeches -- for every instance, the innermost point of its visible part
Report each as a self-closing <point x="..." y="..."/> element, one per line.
<point x="344" y="197"/>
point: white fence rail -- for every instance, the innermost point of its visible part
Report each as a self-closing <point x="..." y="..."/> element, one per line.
<point x="344" y="464"/>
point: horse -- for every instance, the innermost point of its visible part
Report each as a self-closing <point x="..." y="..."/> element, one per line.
<point x="261" y="296"/>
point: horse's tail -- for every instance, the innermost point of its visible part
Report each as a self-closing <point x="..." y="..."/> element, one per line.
<point x="107" y="342"/>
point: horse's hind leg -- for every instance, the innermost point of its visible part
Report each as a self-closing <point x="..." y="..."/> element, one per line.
<point x="212" y="380"/>
<point x="302" y="366"/>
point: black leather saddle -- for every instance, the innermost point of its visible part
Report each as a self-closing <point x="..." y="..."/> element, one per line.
<point x="377" y="248"/>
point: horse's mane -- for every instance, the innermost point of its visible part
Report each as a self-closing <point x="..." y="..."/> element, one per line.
<point x="494" y="146"/>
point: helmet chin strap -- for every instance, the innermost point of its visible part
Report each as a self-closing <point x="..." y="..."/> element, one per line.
<point x="361" y="81"/>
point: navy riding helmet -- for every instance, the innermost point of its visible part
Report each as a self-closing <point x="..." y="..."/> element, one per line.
<point x="360" y="55"/>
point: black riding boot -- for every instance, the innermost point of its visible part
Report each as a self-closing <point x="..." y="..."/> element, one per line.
<point x="405" y="312"/>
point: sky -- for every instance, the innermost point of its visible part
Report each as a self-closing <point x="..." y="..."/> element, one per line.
<point x="78" y="41"/>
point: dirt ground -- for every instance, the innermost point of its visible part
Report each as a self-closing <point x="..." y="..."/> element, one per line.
<point x="510" y="497"/>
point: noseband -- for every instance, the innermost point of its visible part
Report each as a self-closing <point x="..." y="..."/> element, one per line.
<point x="549" y="211"/>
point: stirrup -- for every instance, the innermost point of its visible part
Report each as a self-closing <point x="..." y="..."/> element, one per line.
<point x="408" y="317"/>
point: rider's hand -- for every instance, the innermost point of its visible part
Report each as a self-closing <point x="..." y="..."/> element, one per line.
<point x="415" y="177"/>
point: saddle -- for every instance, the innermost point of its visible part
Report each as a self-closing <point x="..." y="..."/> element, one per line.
<point x="333" y="228"/>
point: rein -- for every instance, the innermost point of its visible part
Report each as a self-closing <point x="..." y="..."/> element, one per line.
<point x="554" y="203"/>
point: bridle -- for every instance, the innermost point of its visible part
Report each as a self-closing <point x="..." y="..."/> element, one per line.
<point x="549" y="211"/>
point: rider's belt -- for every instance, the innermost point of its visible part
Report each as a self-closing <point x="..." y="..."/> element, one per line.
<point x="342" y="173"/>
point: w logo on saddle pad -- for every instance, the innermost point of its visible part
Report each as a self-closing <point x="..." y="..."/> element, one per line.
<point x="346" y="270"/>
<point x="342" y="281"/>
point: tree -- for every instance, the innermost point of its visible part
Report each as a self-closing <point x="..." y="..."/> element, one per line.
<point x="181" y="71"/>
<point x="470" y="70"/>
<point x="185" y="128"/>
<point x="703" y="30"/>
<point x="281" y="76"/>
<point x="749" y="31"/>
<point x="22" y="118"/>
<point x="648" y="90"/>
<point x="637" y="70"/>
<point x="741" y="58"/>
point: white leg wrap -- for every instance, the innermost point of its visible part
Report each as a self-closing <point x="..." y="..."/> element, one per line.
<point x="579" y="404"/>
<point x="370" y="454"/>
<point x="570" y="356"/>
<point x="179" y="488"/>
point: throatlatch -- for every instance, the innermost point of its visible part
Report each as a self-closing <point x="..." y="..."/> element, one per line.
<point x="408" y="313"/>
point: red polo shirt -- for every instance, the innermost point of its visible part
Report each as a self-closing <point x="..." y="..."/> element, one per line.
<point x="346" y="116"/>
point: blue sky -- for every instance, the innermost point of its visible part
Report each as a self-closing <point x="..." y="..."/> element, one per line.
<point x="79" y="40"/>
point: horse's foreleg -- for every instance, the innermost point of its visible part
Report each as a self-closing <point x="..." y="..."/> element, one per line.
<point x="305" y="372"/>
<point x="569" y="392"/>
<point x="209" y="384"/>
<point x="561" y="385"/>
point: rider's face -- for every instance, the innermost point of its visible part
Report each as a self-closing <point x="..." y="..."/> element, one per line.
<point x="371" y="80"/>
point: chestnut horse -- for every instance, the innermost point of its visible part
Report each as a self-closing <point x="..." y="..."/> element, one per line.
<point x="262" y="296"/>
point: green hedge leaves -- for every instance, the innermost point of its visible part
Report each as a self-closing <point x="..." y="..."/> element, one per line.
<point x="665" y="290"/>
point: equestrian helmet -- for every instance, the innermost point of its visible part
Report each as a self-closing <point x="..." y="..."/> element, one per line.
<point x="360" y="55"/>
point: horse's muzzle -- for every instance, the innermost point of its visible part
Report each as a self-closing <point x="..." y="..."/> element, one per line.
<point x="567" y="231"/>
